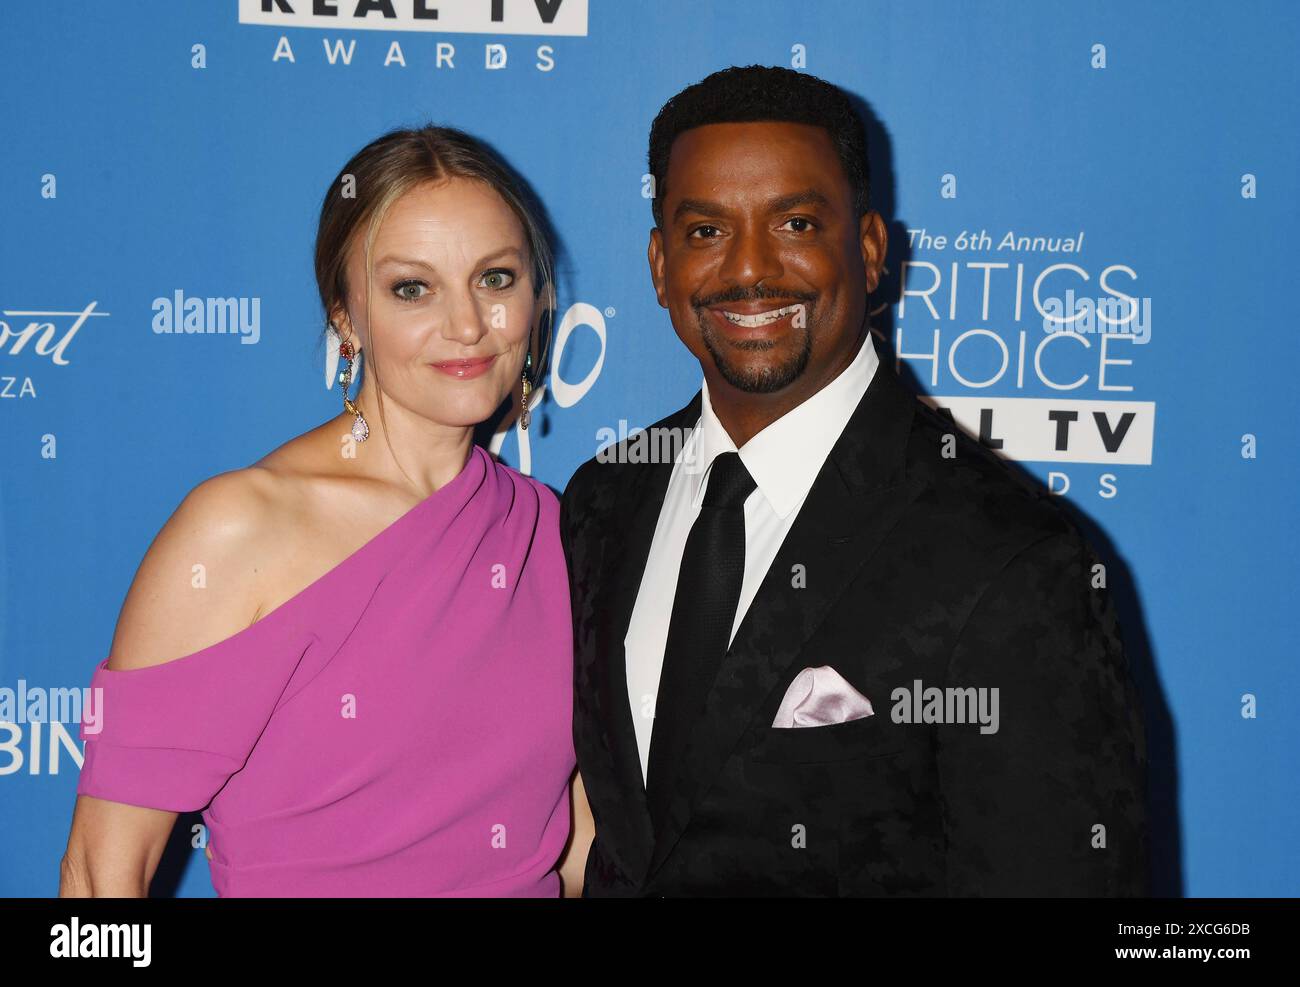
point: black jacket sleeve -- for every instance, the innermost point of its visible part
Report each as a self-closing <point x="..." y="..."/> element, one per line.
<point x="1053" y="802"/>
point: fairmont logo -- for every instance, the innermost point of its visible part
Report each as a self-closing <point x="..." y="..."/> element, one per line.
<point x="546" y="17"/>
<point x="48" y="331"/>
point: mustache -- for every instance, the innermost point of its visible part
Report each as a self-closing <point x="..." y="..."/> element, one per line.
<point x="739" y="294"/>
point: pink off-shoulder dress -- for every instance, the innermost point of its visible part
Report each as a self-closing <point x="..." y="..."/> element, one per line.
<point x="399" y="728"/>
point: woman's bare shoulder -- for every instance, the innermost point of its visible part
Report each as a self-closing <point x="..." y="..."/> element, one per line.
<point x="203" y="576"/>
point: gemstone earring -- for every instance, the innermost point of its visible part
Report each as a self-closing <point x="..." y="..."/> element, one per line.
<point x="526" y="416"/>
<point x="360" y="428"/>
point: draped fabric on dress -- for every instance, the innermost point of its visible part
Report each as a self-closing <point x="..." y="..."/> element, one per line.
<point x="400" y="727"/>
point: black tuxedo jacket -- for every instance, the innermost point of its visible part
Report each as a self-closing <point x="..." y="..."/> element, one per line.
<point x="924" y="560"/>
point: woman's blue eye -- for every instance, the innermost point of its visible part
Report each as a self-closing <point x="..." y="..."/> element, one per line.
<point x="498" y="278"/>
<point x="400" y="290"/>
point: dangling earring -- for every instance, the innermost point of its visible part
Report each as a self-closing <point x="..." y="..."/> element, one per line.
<point x="360" y="428"/>
<point x="526" y="416"/>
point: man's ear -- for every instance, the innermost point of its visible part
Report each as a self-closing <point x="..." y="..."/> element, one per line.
<point x="871" y="230"/>
<point x="655" y="255"/>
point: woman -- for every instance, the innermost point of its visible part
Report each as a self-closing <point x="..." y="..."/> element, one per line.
<point x="356" y="653"/>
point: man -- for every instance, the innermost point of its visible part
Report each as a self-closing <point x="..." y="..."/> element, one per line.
<point x="763" y="621"/>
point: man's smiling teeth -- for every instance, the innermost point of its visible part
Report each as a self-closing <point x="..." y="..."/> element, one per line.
<point x="762" y="318"/>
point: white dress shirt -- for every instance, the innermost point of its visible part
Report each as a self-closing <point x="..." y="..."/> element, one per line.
<point x="784" y="460"/>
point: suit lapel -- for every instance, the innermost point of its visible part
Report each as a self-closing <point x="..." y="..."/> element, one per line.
<point x="642" y="498"/>
<point x="858" y="496"/>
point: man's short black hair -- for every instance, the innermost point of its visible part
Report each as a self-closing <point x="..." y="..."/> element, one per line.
<point x="753" y="93"/>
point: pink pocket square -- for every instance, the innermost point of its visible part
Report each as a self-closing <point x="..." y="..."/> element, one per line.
<point x="819" y="697"/>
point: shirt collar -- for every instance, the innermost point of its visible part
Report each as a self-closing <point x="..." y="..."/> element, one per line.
<point x="786" y="456"/>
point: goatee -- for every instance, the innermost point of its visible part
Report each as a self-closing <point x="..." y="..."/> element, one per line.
<point x="757" y="380"/>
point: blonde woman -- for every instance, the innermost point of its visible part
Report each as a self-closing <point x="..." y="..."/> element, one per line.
<point x="373" y="695"/>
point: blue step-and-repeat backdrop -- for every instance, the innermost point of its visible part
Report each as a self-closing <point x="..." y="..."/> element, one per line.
<point x="1057" y="178"/>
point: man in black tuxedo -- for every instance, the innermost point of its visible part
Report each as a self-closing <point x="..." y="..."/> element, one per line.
<point x="827" y="644"/>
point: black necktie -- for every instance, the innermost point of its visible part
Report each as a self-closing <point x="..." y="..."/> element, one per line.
<point x="699" y="631"/>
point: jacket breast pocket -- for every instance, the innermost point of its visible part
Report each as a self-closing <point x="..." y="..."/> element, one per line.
<point x="866" y="737"/>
